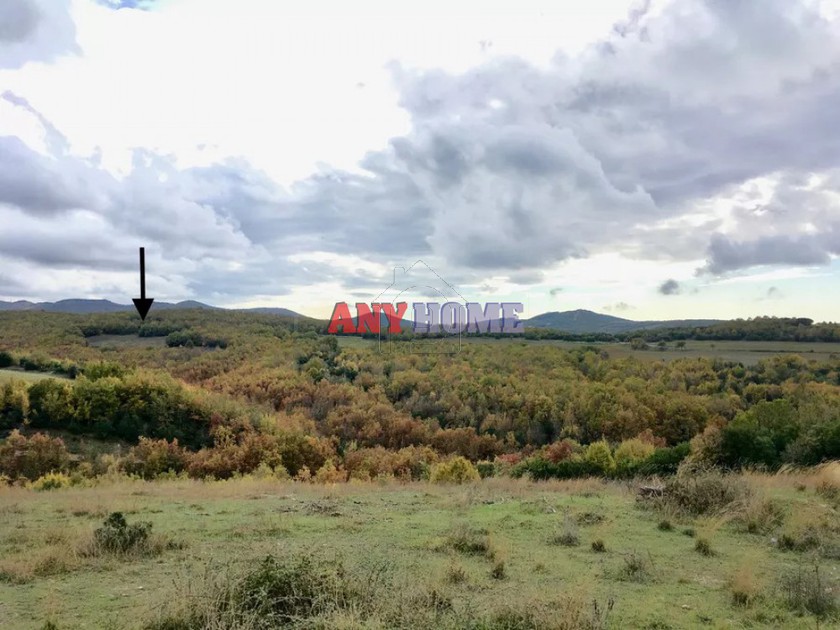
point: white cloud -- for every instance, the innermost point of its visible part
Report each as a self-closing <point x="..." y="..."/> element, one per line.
<point x="263" y="149"/>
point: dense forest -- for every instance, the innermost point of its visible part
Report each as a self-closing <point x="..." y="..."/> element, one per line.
<point x="215" y="394"/>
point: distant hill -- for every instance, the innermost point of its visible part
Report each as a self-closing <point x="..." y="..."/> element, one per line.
<point x="583" y="321"/>
<point x="271" y="310"/>
<point x="106" y="306"/>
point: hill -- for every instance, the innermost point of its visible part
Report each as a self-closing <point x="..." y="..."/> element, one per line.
<point x="583" y="321"/>
<point x="107" y="306"/>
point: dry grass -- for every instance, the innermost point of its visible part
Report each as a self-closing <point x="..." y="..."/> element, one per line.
<point x="744" y="585"/>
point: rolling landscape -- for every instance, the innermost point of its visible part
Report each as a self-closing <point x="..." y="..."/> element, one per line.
<point x="213" y="213"/>
<point x="244" y="460"/>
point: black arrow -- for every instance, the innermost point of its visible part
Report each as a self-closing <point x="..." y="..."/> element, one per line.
<point x="142" y="304"/>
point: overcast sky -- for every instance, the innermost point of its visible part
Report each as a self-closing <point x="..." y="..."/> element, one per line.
<point x="648" y="159"/>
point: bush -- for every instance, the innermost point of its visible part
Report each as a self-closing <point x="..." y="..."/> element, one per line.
<point x="470" y="541"/>
<point x="6" y="359"/>
<point x="568" y="536"/>
<point x="636" y="567"/>
<point x="281" y="593"/>
<point x="116" y="536"/>
<point x="456" y="470"/>
<point x="409" y="463"/>
<point x="599" y="457"/>
<point x="704" y="492"/>
<point x="703" y="547"/>
<point x="486" y="469"/>
<point x="632" y="452"/>
<point x="14" y="404"/>
<point x="52" y="481"/>
<point x="498" y="571"/>
<point x="744" y="586"/>
<point x="598" y="546"/>
<point x="151" y="458"/>
<point x="33" y="457"/>
<point x="808" y="590"/>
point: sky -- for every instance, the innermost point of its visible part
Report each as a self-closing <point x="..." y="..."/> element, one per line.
<point x="647" y="159"/>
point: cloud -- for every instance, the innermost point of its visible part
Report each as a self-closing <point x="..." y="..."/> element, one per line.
<point x="527" y="277"/>
<point x="619" y="307"/>
<point x="35" y="30"/>
<point x="505" y="170"/>
<point x="670" y="287"/>
<point x="729" y="255"/>
<point x="555" y="291"/>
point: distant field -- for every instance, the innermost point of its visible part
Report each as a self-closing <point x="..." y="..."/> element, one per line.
<point x="16" y="374"/>
<point x="125" y="341"/>
<point x="399" y="537"/>
<point x="746" y="352"/>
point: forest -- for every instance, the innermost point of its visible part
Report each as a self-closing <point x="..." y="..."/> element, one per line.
<point x="219" y="394"/>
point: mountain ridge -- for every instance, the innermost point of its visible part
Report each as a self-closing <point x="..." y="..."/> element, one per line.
<point x="85" y="306"/>
<point x="584" y="321"/>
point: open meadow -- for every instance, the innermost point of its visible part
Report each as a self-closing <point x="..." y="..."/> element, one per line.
<point x="492" y="554"/>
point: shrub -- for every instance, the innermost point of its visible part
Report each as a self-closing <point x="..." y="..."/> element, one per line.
<point x="33" y="457"/>
<point x="52" y="481"/>
<point x="470" y="541"/>
<point x="665" y="525"/>
<point x="704" y="492"/>
<point x="456" y="470"/>
<point x="636" y="567"/>
<point x="284" y="592"/>
<point x="704" y="547"/>
<point x="761" y="515"/>
<point x="498" y="571"/>
<point x="744" y="586"/>
<point x="599" y="456"/>
<point x="486" y="469"/>
<point x="329" y="473"/>
<point x="6" y="359"/>
<point x="664" y="461"/>
<point x="151" y="458"/>
<point x="559" y="451"/>
<point x="14" y="404"/>
<point x="409" y="463"/>
<point x="808" y="590"/>
<point x="455" y="574"/>
<point x="116" y="536"/>
<point x="631" y="452"/>
<point x="568" y="536"/>
<point x="598" y="546"/>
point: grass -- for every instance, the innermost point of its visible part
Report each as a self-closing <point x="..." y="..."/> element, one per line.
<point x="18" y="374"/>
<point x="125" y="341"/>
<point x="746" y="352"/>
<point x="478" y="549"/>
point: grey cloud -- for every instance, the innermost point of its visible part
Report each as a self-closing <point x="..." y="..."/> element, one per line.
<point x="670" y="287"/>
<point x="18" y="20"/>
<point x="11" y="286"/>
<point x="35" y="30"/>
<point x="527" y="277"/>
<point x="618" y="307"/>
<point x="44" y="185"/>
<point x="511" y="168"/>
<point x="728" y="255"/>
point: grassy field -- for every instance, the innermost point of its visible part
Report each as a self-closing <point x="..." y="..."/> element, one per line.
<point x="113" y="342"/>
<point x="17" y="374"/>
<point x="483" y="549"/>
<point x="746" y="352"/>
